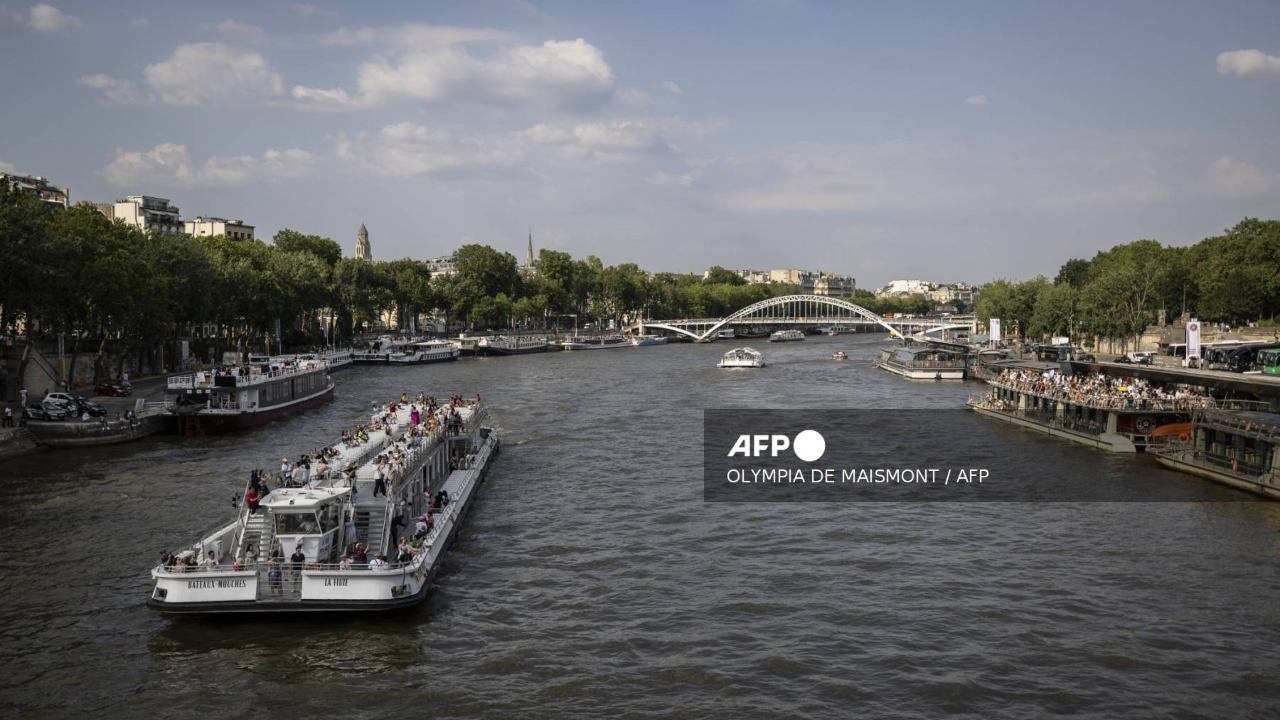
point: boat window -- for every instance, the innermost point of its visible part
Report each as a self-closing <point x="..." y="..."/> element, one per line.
<point x="297" y="524"/>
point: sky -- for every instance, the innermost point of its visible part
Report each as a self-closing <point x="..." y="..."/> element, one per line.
<point x="950" y="141"/>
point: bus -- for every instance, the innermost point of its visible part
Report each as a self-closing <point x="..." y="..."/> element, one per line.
<point x="1269" y="361"/>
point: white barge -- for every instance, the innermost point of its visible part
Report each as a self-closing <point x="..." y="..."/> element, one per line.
<point x="289" y="554"/>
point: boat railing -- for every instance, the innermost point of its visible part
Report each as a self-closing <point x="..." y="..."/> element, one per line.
<point x="1122" y="401"/>
<point x="1242" y="423"/>
<point x="207" y="379"/>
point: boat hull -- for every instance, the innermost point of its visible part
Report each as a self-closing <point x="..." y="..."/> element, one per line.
<point x="1179" y="461"/>
<point x="210" y="423"/>
<point x="923" y="373"/>
<point x="88" y="434"/>
<point x="490" y="350"/>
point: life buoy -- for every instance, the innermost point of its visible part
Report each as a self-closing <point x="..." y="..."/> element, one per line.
<point x="1184" y="437"/>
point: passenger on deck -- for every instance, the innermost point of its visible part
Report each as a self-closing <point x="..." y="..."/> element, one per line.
<point x="404" y="554"/>
<point x="344" y="563"/>
<point x="421" y="528"/>
<point x="211" y="560"/>
<point x="275" y="577"/>
<point x="379" y="482"/>
<point x="251" y="499"/>
<point x="296" y="560"/>
<point x="379" y="563"/>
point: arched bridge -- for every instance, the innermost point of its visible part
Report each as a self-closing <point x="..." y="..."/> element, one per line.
<point x="805" y="310"/>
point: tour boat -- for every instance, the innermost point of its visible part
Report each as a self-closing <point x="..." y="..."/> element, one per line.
<point x="600" y="343"/>
<point x="247" y="566"/>
<point x="922" y="363"/>
<point x="407" y="352"/>
<point x="241" y="397"/>
<point x="839" y="355"/>
<point x="511" y="345"/>
<point x="647" y="340"/>
<point x="743" y="357"/>
<point x="466" y="345"/>
<point x="786" y="336"/>
<point x="1237" y="449"/>
<point x="335" y="359"/>
<point x="726" y="334"/>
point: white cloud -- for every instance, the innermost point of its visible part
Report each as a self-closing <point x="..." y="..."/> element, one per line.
<point x="977" y="100"/>
<point x="433" y="63"/>
<point x="170" y="164"/>
<point x="246" y="32"/>
<point x="672" y="87"/>
<point x="1233" y="178"/>
<point x="1248" y="62"/>
<point x="202" y="72"/>
<point x="47" y="18"/>
<point x="115" y="90"/>
<point x="407" y="149"/>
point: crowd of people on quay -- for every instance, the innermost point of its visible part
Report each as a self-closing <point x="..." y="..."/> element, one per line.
<point x="1102" y="391"/>
<point x="427" y="418"/>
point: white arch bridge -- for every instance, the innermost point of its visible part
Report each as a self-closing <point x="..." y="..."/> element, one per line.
<point x="808" y="311"/>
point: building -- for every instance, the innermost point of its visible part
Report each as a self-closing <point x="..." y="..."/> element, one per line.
<point x="442" y="265"/>
<point x="148" y="213"/>
<point x="210" y="226"/>
<point x="529" y="267"/>
<point x="953" y="293"/>
<point x="811" y="282"/>
<point x="363" y="250"/>
<point x="42" y="188"/>
<point x="905" y="288"/>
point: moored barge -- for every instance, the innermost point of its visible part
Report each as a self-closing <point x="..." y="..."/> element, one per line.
<point x="237" y="398"/>
<point x="1238" y="449"/>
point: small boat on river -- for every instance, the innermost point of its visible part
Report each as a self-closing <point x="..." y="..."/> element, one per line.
<point x="743" y="357"/>
<point x="786" y="336"/>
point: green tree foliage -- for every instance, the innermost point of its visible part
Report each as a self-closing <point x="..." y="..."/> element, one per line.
<point x="720" y="276"/>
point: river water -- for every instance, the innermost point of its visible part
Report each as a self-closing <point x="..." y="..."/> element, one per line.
<point x="592" y="580"/>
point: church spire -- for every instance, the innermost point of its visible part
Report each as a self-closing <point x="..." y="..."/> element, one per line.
<point x="528" y="257"/>
<point x="363" y="249"/>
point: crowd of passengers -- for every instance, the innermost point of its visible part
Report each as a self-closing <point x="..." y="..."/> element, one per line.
<point x="1103" y="391"/>
<point x="389" y="467"/>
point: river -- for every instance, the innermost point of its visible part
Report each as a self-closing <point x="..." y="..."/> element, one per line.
<point x="592" y="580"/>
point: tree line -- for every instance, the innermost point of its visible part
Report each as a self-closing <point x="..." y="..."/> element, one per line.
<point x="1232" y="278"/>
<point x="72" y="273"/>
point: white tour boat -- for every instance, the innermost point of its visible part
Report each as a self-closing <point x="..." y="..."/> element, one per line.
<point x="503" y="345"/>
<point x="239" y="397"/>
<point x="743" y="357"/>
<point x="726" y="334"/>
<point x="247" y="565"/>
<point x="390" y="351"/>
<point x="647" y="340"/>
<point x="922" y="363"/>
<point x="786" y="336"/>
<point x="600" y="343"/>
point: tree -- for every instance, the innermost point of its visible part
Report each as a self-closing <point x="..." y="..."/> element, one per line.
<point x="717" y="275"/>
<point x="1074" y="272"/>
<point x="322" y="247"/>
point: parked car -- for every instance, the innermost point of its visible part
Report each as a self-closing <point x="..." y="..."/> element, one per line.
<point x="1123" y="360"/>
<point x="1086" y="357"/>
<point x="72" y="404"/>
<point x="37" y="411"/>
<point x="1141" y="358"/>
<point x="114" y="389"/>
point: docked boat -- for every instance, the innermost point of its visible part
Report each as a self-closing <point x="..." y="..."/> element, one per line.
<point x="248" y="565"/>
<point x="466" y="345"/>
<point x="726" y="334"/>
<point x="839" y="355"/>
<point x="241" y="397"/>
<point x="338" y="359"/>
<point x="922" y="363"/>
<point x="743" y="357"/>
<point x="1238" y="449"/>
<point x="389" y="351"/>
<point x="151" y="420"/>
<point x="502" y="345"/>
<point x="600" y="343"/>
<point x="647" y="340"/>
<point x="786" y="336"/>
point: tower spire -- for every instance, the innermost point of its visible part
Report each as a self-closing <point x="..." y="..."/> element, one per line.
<point x="528" y="257"/>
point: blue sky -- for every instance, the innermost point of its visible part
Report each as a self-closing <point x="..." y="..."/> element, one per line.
<point x="949" y="141"/>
